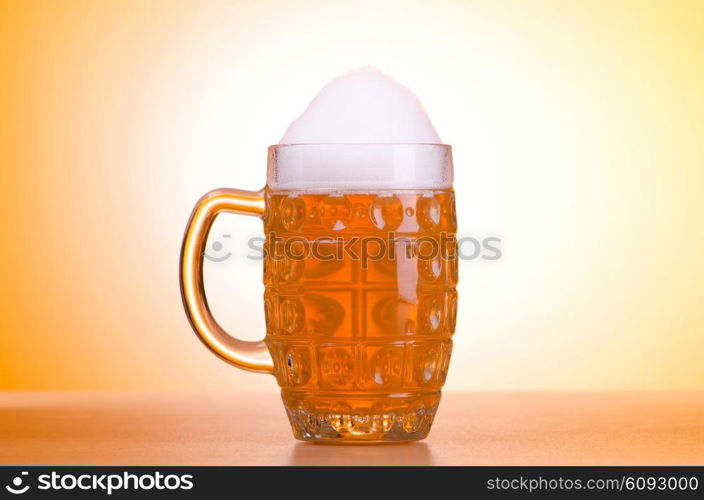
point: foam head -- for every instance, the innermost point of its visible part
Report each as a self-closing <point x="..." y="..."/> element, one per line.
<point x="363" y="130"/>
<point x="363" y="106"/>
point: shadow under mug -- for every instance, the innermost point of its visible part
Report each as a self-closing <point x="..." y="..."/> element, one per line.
<point x="360" y="274"/>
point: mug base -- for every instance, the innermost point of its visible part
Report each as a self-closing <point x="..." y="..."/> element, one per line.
<point x="361" y="419"/>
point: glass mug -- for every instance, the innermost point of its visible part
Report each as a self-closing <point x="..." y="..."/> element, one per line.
<point x="360" y="270"/>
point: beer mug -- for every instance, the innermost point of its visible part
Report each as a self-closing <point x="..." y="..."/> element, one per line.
<point x="360" y="270"/>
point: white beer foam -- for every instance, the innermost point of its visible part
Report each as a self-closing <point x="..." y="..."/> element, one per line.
<point x="363" y="130"/>
<point x="363" y="106"/>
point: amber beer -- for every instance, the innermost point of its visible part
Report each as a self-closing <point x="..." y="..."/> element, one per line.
<point x="360" y="271"/>
<point x="361" y="343"/>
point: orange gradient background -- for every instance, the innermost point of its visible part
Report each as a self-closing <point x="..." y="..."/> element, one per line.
<point x="578" y="130"/>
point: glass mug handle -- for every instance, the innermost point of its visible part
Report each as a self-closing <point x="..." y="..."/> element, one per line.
<point x="252" y="356"/>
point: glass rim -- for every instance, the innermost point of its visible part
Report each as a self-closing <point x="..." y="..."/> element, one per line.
<point x="359" y="144"/>
<point x="360" y="165"/>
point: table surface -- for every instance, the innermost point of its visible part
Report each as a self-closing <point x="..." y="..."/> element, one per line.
<point x="483" y="428"/>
